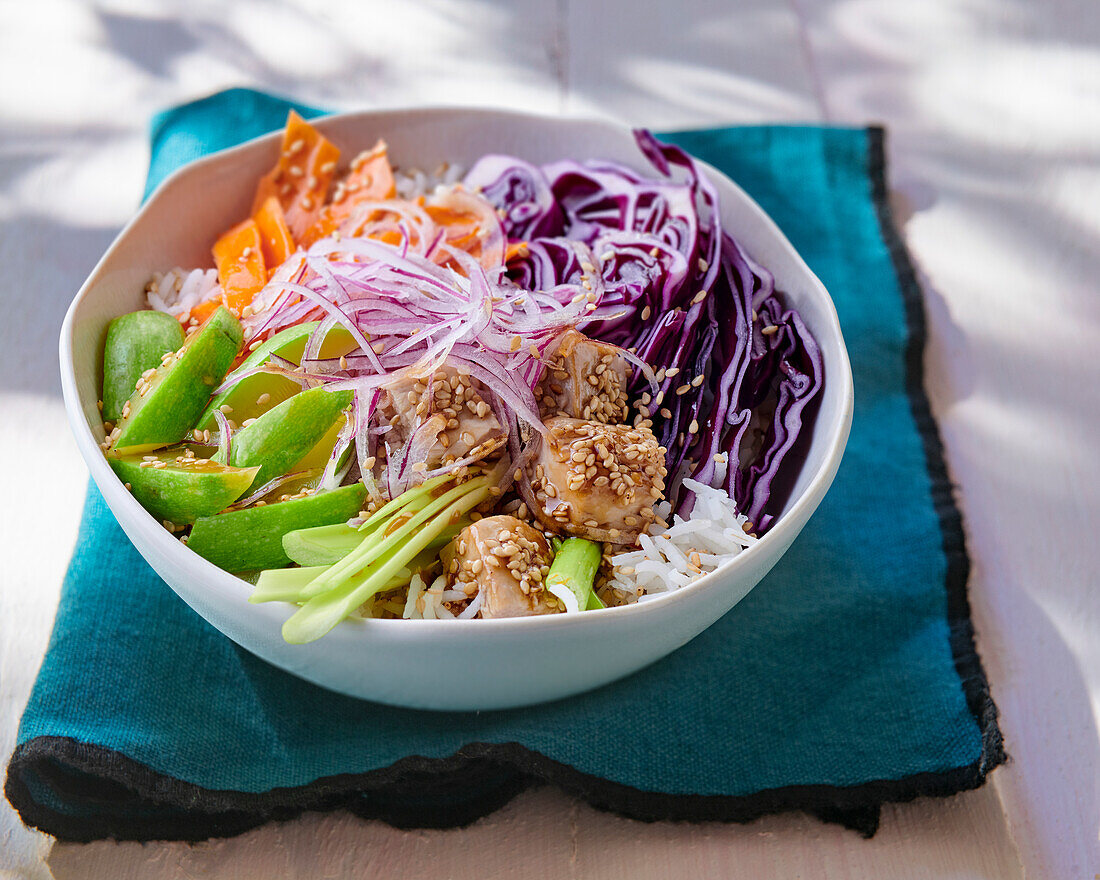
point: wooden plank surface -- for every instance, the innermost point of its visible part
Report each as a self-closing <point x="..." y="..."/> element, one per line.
<point x="994" y="117"/>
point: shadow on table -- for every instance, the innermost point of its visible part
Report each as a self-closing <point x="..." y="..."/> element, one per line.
<point x="36" y="303"/>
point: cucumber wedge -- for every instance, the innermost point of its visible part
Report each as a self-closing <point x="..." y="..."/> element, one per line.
<point x="135" y="343"/>
<point x="281" y="437"/>
<point x="254" y="395"/>
<point x="174" y="396"/>
<point x="250" y="539"/>
<point x="180" y="488"/>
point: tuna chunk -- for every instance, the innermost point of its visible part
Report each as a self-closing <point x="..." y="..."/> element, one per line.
<point x="454" y="421"/>
<point x="585" y="379"/>
<point x="506" y="560"/>
<point x="597" y="481"/>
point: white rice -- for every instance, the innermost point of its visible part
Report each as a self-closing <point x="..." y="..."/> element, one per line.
<point x="414" y="182"/>
<point x="672" y="557"/>
<point x="426" y="603"/>
<point x="177" y="291"/>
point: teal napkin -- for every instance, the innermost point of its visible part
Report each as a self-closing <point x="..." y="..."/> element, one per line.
<point x="847" y="679"/>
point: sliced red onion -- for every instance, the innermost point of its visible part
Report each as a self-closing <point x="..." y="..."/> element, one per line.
<point x="225" y="435"/>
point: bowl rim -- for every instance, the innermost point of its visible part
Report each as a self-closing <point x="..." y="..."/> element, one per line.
<point x="224" y="581"/>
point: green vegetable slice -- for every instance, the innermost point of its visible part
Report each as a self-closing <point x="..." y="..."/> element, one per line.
<point x="171" y="399"/>
<point x="173" y="485"/>
<point x="254" y="395"/>
<point x="135" y="343"/>
<point x="281" y="437"/>
<point x="243" y="540"/>
<point x="394" y="542"/>
<point x="573" y="572"/>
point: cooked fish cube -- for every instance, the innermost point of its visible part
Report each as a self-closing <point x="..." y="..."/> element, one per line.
<point x="506" y="560"/>
<point x="585" y="379"/>
<point x="597" y="481"/>
<point x="448" y="407"/>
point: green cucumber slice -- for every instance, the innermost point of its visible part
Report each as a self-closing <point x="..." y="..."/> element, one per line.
<point x="243" y="540"/>
<point x="135" y="343"/>
<point x="173" y="397"/>
<point x="183" y="488"/>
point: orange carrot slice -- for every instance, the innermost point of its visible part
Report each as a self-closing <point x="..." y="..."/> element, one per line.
<point x="516" y="249"/>
<point x="370" y="179"/>
<point x="239" y="257"/>
<point x="301" y="178"/>
<point x="275" y="237"/>
<point x="199" y="313"/>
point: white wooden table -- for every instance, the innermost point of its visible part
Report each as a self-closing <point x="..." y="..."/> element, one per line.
<point x="994" y="115"/>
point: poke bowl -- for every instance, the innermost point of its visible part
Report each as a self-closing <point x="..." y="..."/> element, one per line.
<point x="574" y="395"/>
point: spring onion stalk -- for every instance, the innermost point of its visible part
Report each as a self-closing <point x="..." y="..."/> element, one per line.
<point x="369" y="572"/>
<point x="573" y="572"/>
<point x="380" y="539"/>
<point x="325" y="545"/>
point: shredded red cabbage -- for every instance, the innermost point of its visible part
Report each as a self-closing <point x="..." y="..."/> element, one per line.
<point x="737" y="371"/>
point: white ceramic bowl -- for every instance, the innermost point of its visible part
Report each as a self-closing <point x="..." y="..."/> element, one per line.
<point x="474" y="664"/>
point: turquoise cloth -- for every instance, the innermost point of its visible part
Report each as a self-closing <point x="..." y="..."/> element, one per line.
<point x="836" y="685"/>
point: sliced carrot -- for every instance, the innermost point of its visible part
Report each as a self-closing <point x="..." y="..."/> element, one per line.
<point x="301" y="178"/>
<point x="202" y="311"/>
<point x="516" y="249"/>
<point x="462" y="222"/>
<point x="275" y="237"/>
<point x="239" y="257"/>
<point x="370" y="179"/>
